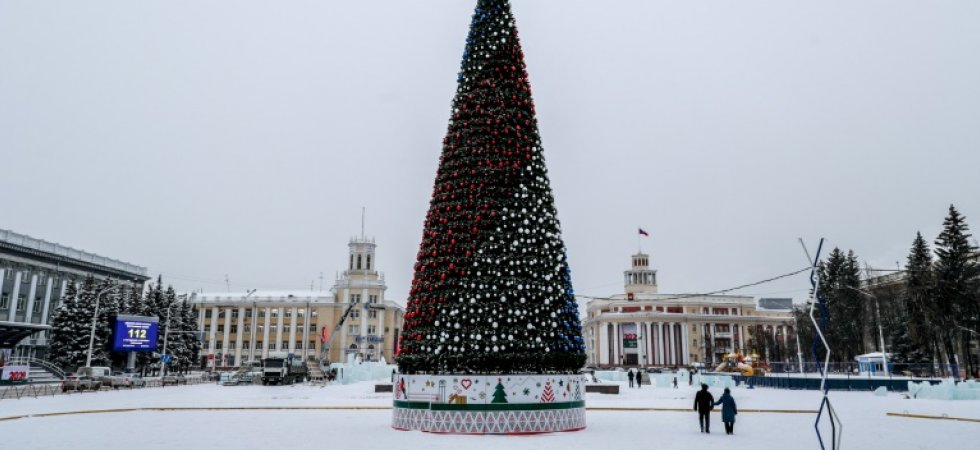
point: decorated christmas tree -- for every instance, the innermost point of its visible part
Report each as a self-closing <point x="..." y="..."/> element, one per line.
<point x="492" y="291"/>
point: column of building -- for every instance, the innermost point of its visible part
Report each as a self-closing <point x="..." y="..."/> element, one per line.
<point x="306" y="332"/>
<point x="45" y="309"/>
<point x="280" y="312"/>
<point x="213" y="333"/>
<point x="265" y="332"/>
<point x="225" y="337"/>
<point x="29" y="312"/>
<point x="14" y="296"/>
<point x="239" y="332"/>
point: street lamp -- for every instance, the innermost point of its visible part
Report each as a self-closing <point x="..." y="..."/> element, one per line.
<point x="166" y="334"/>
<point x="91" y="336"/>
<point x="881" y="335"/>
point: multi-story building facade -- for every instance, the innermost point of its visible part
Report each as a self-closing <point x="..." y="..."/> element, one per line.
<point x="642" y="327"/>
<point x="239" y="328"/>
<point x="34" y="275"/>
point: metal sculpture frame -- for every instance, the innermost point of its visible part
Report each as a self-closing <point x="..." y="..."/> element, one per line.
<point x="816" y="299"/>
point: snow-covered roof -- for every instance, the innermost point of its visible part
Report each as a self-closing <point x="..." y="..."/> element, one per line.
<point x="23" y="240"/>
<point x="263" y="296"/>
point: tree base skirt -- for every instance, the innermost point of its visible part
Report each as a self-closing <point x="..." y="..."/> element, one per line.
<point x="489" y="404"/>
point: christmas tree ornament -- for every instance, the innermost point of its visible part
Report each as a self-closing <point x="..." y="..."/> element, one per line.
<point x="491" y="265"/>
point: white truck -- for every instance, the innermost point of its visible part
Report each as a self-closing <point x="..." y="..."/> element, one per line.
<point x="279" y="368"/>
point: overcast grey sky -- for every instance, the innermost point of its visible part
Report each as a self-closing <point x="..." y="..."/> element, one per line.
<point x="204" y="138"/>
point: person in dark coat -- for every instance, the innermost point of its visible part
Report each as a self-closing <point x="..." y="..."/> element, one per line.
<point x="639" y="379"/>
<point x="629" y="374"/>
<point x="703" y="404"/>
<point x="728" y="411"/>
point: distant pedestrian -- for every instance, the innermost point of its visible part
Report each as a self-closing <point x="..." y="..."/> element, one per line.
<point x="703" y="403"/>
<point x="629" y="374"/>
<point x="675" y="382"/>
<point x="639" y="379"/>
<point x="728" y="411"/>
<point x="690" y="377"/>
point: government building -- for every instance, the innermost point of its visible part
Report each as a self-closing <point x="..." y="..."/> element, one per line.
<point x="245" y="327"/>
<point x="34" y="275"/>
<point x="642" y="327"/>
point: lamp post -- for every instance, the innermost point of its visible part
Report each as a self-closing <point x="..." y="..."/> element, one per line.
<point x="91" y="336"/>
<point x="166" y="335"/>
<point x="881" y="334"/>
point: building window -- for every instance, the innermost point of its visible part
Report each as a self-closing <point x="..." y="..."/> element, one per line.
<point x="206" y="329"/>
<point x="21" y="302"/>
<point x="358" y="262"/>
<point x="5" y="301"/>
<point x="221" y="328"/>
<point x="299" y="345"/>
<point x="285" y="345"/>
<point x="314" y="313"/>
<point x="234" y="329"/>
<point x="301" y="312"/>
<point x="285" y="328"/>
<point x="261" y="329"/>
<point x="368" y="262"/>
<point x="352" y="261"/>
<point x="355" y="314"/>
<point x="272" y="346"/>
<point x="37" y="305"/>
<point x="275" y="313"/>
<point x="262" y="314"/>
<point x="234" y="314"/>
<point x="372" y="299"/>
<point x="207" y="313"/>
<point x="372" y="314"/>
<point x="352" y="329"/>
<point x="313" y="328"/>
<point x="272" y="328"/>
<point x="207" y="345"/>
<point x="217" y="345"/>
<point x="289" y="313"/>
<point x="372" y="330"/>
<point x="355" y="298"/>
<point x="311" y="345"/>
<point x="258" y="345"/>
<point x="26" y="277"/>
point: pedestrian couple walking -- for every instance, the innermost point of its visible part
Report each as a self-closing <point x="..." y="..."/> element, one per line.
<point x="704" y="402"/>
<point x="638" y="377"/>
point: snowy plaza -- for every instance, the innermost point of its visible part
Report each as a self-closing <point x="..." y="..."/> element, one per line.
<point x="353" y="416"/>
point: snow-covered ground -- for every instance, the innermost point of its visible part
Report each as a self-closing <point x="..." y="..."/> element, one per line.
<point x="863" y="414"/>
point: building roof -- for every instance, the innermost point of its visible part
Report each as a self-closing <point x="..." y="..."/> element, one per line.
<point x="263" y="295"/>
<point x="45" y="248"/>
<point x="270" y="296"/>
<point x="677" y="298"/>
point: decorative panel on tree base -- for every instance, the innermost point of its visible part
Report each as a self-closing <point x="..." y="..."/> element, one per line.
<point x="489" y="404"/>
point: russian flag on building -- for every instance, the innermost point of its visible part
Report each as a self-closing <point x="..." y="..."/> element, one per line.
<point x="643" y="233"/>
